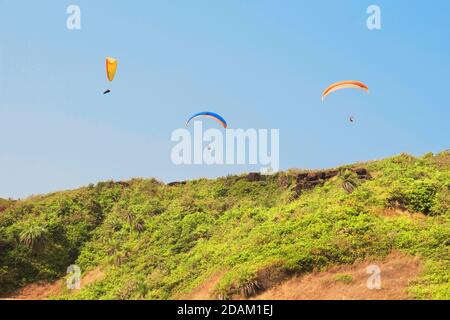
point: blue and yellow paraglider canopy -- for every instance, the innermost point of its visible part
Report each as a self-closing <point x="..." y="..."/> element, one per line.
<point x="210" y="115"/>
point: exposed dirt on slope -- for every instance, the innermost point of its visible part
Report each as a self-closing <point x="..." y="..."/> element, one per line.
<point x="38" y="291"/>
<point x="43" y="291"/>
<point x="416" y="216"/>
<point x="338" y="283"/>
<point x="350" y="282"/>
<point x="205" y="290"/>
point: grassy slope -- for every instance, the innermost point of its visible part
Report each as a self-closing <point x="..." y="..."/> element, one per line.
<point x="156" y="241"/>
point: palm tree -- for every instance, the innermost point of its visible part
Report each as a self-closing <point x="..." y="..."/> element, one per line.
<point x="349" y="180"/>
<point x="34" y="237"/>
<point x="348" y="186"/>
<point x="128" y="216"/>
<point x="139" y="226"/>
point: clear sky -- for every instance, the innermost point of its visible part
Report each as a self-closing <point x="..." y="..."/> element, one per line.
<point x="259" y="63"/>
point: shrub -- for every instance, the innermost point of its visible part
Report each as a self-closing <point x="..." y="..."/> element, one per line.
<point x="441" y="203"/>
<point x="416" y="196"/>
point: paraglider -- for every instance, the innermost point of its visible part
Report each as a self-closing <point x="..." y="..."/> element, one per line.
<point x="210" y="115"/>
<point x="111" y="69"/>
<point x="348" y="84"/>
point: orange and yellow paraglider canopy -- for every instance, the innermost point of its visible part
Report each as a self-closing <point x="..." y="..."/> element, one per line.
<point x="347" y="84"/>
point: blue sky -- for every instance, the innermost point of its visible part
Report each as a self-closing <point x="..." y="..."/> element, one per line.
<point x="259" y="63"/>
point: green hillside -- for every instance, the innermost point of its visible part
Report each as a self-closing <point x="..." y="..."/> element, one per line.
<point x="5" y="203"/>
<point x="157" y="241"/>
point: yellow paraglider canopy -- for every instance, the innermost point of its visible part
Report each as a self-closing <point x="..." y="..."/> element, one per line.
<point x="111" y="68"/>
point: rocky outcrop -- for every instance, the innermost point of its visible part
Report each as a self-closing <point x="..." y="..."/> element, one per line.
<point x="307" y="181"/>
<point x="254" y="177"/>
<point x="362" y="173"/>
<point x="176" y="183"/>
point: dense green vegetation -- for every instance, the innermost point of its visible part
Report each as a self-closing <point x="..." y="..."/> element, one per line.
<point x="156" y="241"/>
